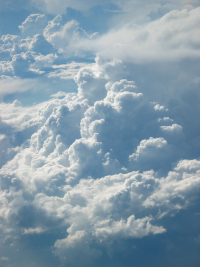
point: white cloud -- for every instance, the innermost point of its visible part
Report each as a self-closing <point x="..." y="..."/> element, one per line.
<point x="178" y="183"/>
<point x="73" y="159"/>
<point x="43" y="61"/>
<point x="102" y="209"/>
<point x="65" y="36"/>
<point x="150" y="152"/>
<point x="12" y="85"/>
<point x="174" y="128"/>
<point x="158" y="107"/>
<point x="170" y="38"/>
<point x="18" y="117"/>
<point x="37" y="230"/>
<point x="67" y="71"/>
<point x="106" y="164"/>
<point x="33" y="24"/>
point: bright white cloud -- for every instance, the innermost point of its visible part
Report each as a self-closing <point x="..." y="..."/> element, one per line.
<point x="78" y="161"/>
<point x="113" y="162"/>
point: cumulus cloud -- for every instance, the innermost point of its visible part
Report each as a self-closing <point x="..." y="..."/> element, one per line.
<point x="98" y="162"/>
<point x="34" y="24"/>
<point x="170" y="38"/>
<point x="152" y="153"/>
<point x="42" y="47"/>
<point x="165" y="39"/>
<point x="116" y="163"/>
<point x="65" y="37"/>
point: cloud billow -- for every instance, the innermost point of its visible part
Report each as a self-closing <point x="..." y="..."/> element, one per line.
<point x="89" y="164"/>
<point x="107" y="175"/>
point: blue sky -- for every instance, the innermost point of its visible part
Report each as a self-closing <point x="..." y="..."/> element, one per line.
<point x="99" y="133"/>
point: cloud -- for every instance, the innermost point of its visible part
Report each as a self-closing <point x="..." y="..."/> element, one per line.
<point x="152" y="42"/>
<point x="67" y="71"/>
<point x="97" y="162"/>
<point x="152" y="153"/>
<point x="33" y="231"/>
<point x="65" y="37"/>
<point x="170" y="38"/>
<point x="40" y="45"/>
<point x="11" y="85"/>
<point x="34" y="24"/>
<point x="100" y="176"/>
<point x="38" y="54"/>
<point x="174" y="128"/>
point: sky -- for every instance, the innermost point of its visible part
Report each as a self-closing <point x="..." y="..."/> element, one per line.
<point x="99" y="133"/>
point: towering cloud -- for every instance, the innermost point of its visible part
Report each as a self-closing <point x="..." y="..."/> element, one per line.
<point x="99" y="163"/>
<point x="107" y="174"/>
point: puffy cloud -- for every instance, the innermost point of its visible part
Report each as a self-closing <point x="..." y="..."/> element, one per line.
<point x="107" y="166"/>
<point x="152" y="41"/>
<point x="34" y="24"/>
<point x="111" y="198"/>
<point x="83" y="161"/>
<point x="65" y="37"/>
<point x="153" y="153"/>
<point x="34" y="56"/>
<point x="174" y="128"/>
